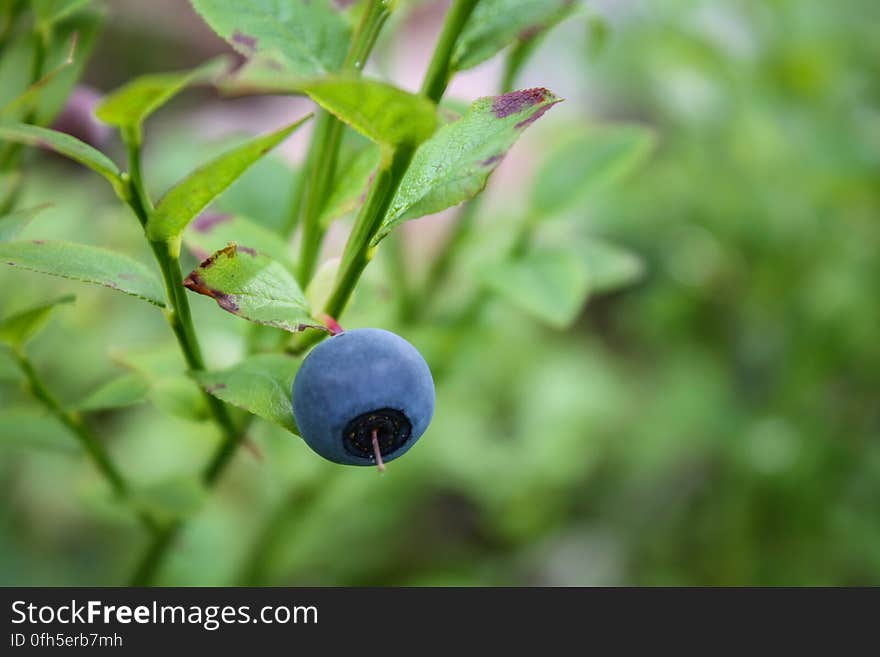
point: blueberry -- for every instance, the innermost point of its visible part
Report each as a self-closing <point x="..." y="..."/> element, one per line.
<point x="363" y="397"/>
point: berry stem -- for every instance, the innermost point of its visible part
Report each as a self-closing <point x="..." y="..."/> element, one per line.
<point x="380" y="465"/>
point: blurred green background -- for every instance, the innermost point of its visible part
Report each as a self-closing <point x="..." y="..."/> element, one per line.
<point x="715" y="422"/>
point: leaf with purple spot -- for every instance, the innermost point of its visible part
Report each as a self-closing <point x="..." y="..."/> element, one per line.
<point x="251" y="285"/>
<point x="308" y="37"/>
<point x="456" y="162"/>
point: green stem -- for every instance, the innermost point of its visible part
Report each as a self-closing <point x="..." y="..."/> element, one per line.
<point x="326" y="142"/>
<point x="256" y="564"/>
<point x="11" y="156"/>
<point x="440" y="69"/>
<point x="358" y="249"/>
<point x="323" y="157"/>
<point x="180" y="318"/>
<point x="297" y="197"/>
<point x="177" y="311"/>
<point x="364" y="40"/>
<point x="149" y="565"/>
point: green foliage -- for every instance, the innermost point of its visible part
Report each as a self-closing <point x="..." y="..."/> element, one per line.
<point x="170" y="499"/>
<point x="251" y="285"/>
<point x="309" y="37"/>
<point x="178" y="397"/>
<point x="16" y="330"/>
<point x="129" y="106"/>
<point x="259" y="384"/>
<point x="352" y="184"/>
<point x="190" y="196"/>
<point x="28" y="429"/>
<point x="454" y="164"/>
<point x="89" y="264"/>
<point x="52" y="11"/>
<point x="213" y="231"/>
<point x="551" y="285"/>
<point x="609" y="267"/>
<point x="38" y="100"/>
<point x="495" y="24"/>
<point x="66" y="145"/>
<point x="13" y="223"/>
<point x="124" y="390"/>
<point x="382" y="112"/>
<point x="713" y="424"/>
<point x="586" y="163"/>
<point x="28" y="101"/>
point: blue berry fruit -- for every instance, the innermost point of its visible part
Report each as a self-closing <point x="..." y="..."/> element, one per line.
<point x="363" y="397"/>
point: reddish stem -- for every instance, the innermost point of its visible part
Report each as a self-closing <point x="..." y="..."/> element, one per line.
<point x="380" y="465"/>
<point x="331" y="324"/>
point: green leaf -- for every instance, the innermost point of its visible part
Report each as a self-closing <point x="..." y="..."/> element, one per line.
<point x="496" y="24"/>
<point x="9" y="369"/>
<point x="550" y="285"/>
<point x="124" y="390"/>
<point x="260" y="75"/>
<point x="454" y="164"/>
<point x="85" y="26"/>
<point x="253" y="286"/>
<point x="190" y="196"/>
<point x="89" y="264"/>
<point x="66" y="145"/>
<point x="351" y="185"/>
<point x="382" y="112"/>
<point x="17" y="329"/>
<point x="609" y="266"/>
<point x="212" y="231"/>
<point x="32" y="429"/>
<point x="310" y="37"/>
<point x="170" y="389"/>
<point x="588" y="163"/>
<point x="178" y="396"/>
<point x="176" y="497"/>
<point x="262" y="193"/>
<point x="53" y="11"/>
<point x="131" y="104"/>
<point x="29" y="99"/>
<point x="13" y="223"/>
<point x="153" y="361"/>
<point x="10" y="184"/>
<point x="259" y="384"/>
<point x="15" y="66"/>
